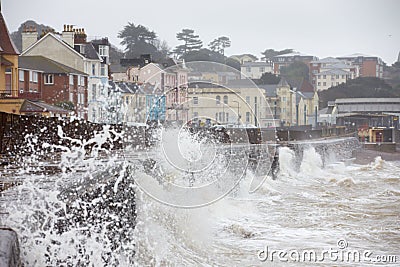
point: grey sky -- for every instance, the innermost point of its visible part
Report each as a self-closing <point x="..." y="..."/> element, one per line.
<point x="321" y="28"/>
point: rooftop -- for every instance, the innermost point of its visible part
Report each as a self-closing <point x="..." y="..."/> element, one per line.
<point x="334" y="72"/>
<point x="366" y="100"/>
<point x="46" y="65"/>
<point x="7" y="46"/>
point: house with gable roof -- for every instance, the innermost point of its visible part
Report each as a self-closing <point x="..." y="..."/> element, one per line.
<point x="41" y="78"/>
<point x="72" y="49"/>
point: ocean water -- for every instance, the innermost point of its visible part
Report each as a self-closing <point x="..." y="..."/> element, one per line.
<point x="321" y="204"/>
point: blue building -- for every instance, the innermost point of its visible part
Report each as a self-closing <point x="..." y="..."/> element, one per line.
<point x="155" y="107"/>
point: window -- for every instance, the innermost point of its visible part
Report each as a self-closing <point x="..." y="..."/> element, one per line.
<point x="262" y="69"/>
<point x="195" y="115"/>
<point x="324" y="76"/>
<point x="33" y="76"/>
<point x="195" y="100"/>
<point x="248" y="69"/>
<point x="127" y="100"/>
<point x="319" y="83"/>
<point x="248" y="99"/>
<point x="324" y="83"/>
<point x="337" y="76"/>
<point x="103" y="70"/>
<point x="82" y="80"/>
<point x="247" y="117"/>
<point x="103" y="50"/>
<point x="49" y="79"/>
<point x="218" y="99"/>
<point x="93" y="92"/>
<point x="225" y="99"/>
<point x="343" y="76"/>
<point x="93" y="69"/>
<point x="227" y="116"/>
<point x="71" y="79"/>
<point x="284" y="99"/>
<point x="21" y="75"/>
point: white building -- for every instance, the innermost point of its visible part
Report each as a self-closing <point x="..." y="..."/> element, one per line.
<point x="254" y="70"/>
<point x="330" y="71"/>
<point x="331" y="78"/>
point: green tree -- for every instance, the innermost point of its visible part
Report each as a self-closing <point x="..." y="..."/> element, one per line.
<point x="220" y="44"/>
<point x="203" y="54"/>
<point x="269" y="78"/>
<point x="191" y="42"/>
<point x="362" y="87"/>
<point x="138" y="40"/>
<point x="268" y="54"/>
<point x="296" y="70"/>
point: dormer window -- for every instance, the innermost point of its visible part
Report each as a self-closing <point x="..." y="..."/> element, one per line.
<point x="103" y="51"/>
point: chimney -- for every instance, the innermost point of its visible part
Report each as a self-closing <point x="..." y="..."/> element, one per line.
<point x="68" y="35"/>
<point x="80" y="36"/>
<point x="29" y="36"/>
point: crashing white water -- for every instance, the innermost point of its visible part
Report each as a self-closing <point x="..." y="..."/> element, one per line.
<point x="311" y="205"/>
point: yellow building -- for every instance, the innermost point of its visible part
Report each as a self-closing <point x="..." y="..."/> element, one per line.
<point x="244" y="104"/>
<point x="8" y="62"/>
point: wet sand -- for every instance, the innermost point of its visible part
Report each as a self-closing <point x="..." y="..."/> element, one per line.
<point x="365" y="156"/>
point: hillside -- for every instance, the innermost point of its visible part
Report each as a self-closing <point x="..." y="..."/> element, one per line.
<point x="359" y="88"/>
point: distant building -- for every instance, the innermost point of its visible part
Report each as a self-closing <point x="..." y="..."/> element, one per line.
<point x="285" y="60"/>
<point x="292" y="104"/>
<point x="331" y="78"/>
<point x="125" y="103"/>
<point x="235" y="104"/>
<point x="244" y="58"/>
<point x="370" y="66"/>
<point x="172" y="81"/>
<point x="329" y="72"/>
<point x="254" y="70"/>
<point x="8" y="62"/>
<point x="368" y="105"/>
<point x="328" y="115"/>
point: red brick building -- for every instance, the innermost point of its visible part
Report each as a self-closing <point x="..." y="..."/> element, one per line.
<point x="285" y="60"/>
<point x="370" y="66"/>
<point x="43" y="79"/>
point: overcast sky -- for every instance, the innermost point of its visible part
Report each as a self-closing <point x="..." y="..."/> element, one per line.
<point x="321" y="28"/>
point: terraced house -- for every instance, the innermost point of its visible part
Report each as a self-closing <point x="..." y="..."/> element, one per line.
<point x="44" y="79"/>
<point x="72" y="49"/>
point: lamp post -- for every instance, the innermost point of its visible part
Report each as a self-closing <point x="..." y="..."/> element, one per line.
<point x="238" y="116"/>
